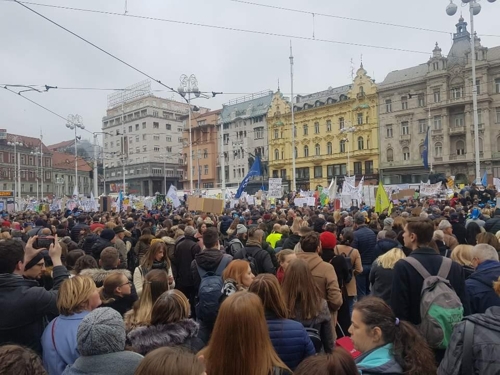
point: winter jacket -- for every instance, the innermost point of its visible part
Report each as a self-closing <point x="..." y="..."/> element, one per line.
<point x="183" y="333"/>
<point x="99" y="274"/>
<point x="122" y="363"/>
<point x="485" y="347"/>
<point x="139" y="274"/>
<point x="142" y="245"/>
<point x="62" y="351"/>
<point x="381" y="281"/>
<point x="290" y="340"/>
<point x="407" y="284"/>
<point x="357" y="268"/>
<point x="262" y="258"/>
<point x="24" y="306"/>
<point x="323" y="323"/>
<point x="208" y="260"/>
<point x="99" y="246"/>
<point x="122" y="304"/>
<point x="378" y="361"/>
<point x="450" y="241"/>
<point x="384" y="245"/>
<point x="75" y="231"/>
<point x="273" y="238"/>
<point x="365" y="240"/>
<point x="198" y="236"/>
<point x="291" y="241"/>
<point x="225" y="224"/>
<point x="185" y="251"/>
<point x="492" y="225"/>
<point x="87" y="243"/>
<point x="480" y="287"/>
<point x="122" y="252"/>
<point x="459" y="232"/>
<point x="479" y="222"/>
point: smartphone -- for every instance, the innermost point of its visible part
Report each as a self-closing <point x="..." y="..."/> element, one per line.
<point x="43" y="242"/>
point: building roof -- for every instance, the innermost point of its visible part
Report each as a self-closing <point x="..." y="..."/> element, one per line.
<point x="405" y="75"/>
<point x="247" y="107"/>
<point x="29" y="142"/>
<point x="322" y="96"/>
<point x="61" y="145"/>
<point x="67" y="162"/>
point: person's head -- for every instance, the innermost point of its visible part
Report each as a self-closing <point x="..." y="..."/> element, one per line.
<point x="359" y="219"/>
<point x="119" y="232"/>
<point x="170" y="361"/>
<point x="239" y="271"/>
<point x="276" y="228"/>
<point x="231" y="336"/>
<point x="390" y="258"/>
<point x="285" y="257"/>
<point x="11" y="257"/>
<point x="488" y="238"/>
<point x="348" y="221"/>
<point x="211" y="238"/>
<point x="310" y="243"/>
<point x="189" y="231"/>
<point x="438" y="235"/>
<point x="72" y="257"/>
<point x="18" y="360"/>
<point x="202" y="227"/>
<point x="85" y="262"/>
<point x="296" y="225"/>
<point x="109" y="259"/>
<point x="462" y="254"/>
<point x="255" y="234"/>
<point x="446" y="227"/>
<point x="35" y="268"/>
<point x="347" y="236"/>
<point x="301" y="292"/>
<point x="116" y="284"/>
<point x="77" y="294"/>
<point x="157" y="252"/>
<point x="418" y="232"/>
<point x="108" y="235"/>
<point x="285" y="230"/>
<point x="373" y="324"/>
<point x="102" y="331"/>
<point x="267" y="287"/>
<point x="483" y="252"/>
<point x="340" y="362"/>
<point x="171" y="307"/>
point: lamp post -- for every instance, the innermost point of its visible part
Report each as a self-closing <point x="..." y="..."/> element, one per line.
<point x="37" y="154"/>
<point x="189" y="85"/>
<point x="351" y="129"/>
<point x="474" y="10"/>
<point x="17" y="168"/>
<point x="74" y="122"/>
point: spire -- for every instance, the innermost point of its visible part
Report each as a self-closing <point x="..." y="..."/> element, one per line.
<point x="437" y="51"/>
<point x="278" y="85"/>
<point x="462" y="31"/>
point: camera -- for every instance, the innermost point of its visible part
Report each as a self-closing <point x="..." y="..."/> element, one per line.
<point x="43" y="242"/>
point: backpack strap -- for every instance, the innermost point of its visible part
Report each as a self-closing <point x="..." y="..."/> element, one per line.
<point x="222" y="265"/>
<point x="467" y="364"/>
<point x="418" y="267"/>
<point x="350" y="252"/>
<point x="336" y="250"/>
<point x="445" y="268"/>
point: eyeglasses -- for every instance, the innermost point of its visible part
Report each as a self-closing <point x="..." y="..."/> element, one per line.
<point x="40" y="264"/>
<point x="127" y="283"/>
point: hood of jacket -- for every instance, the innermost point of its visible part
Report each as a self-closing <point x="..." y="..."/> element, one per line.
<point x="146" y="339"/>
<point x="11" y="280"/>
<point x="486" y="273"/>
<point x="490" y="319"/>
<point x="98" y="274"/>
<point x="313" y="260"/>
<point x="102" y="243"/>
<point x="209" y="258"/>
<point x="386" y="244"/>
<point x="379" y="361"/>
<point x="168" y="240"/>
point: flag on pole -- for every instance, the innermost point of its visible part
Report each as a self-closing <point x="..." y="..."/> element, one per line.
<point x="254" y="171"/>
<point x="119" y="202"/>
<point x="382" y="200"/>
<point x="332" y="189"/>
<point x="172" y="195"/>
<point x="75" y="191"/>
<point x="484" y="180"/>
<point x="425" y="152"/>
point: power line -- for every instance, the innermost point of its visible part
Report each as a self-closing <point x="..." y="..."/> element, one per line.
<point x="227" y="28"/>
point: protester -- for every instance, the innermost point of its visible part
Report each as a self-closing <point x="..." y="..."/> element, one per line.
<point x="365" y="241"/>
<point x="119" y="245"/>
<point x="18" y="360"/>
<point x="118" y="292"/>
<point x="294" y="238"/>
<point x="154" y="259"/>
<point x="493" y="225"/>
<point x="382" y="274"/>
<point x="109" y="262"/>
<point x="170" y="361"/>
<point x="77" y="297"/>
<point x="463" y="256"/>
<point x="71" y="259"/>
<point x="85" y="262"/>
<point x="471" y="234"/>
<point x="260" y="260"/>
<point x="488" y="238"/>
<point x="274" y="236"/>
<point x="339" y="362"/>
<point x="284" y="259"/>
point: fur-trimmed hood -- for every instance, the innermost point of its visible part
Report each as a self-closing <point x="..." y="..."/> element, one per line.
<point x="98" y="274"/>
<point x="147" y="339"/>
<point x="168" y="240"/>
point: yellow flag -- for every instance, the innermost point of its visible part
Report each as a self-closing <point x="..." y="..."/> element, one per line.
<point x="382" y="200"/>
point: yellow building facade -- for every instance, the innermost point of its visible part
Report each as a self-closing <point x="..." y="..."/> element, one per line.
<point x="336" y="134"/>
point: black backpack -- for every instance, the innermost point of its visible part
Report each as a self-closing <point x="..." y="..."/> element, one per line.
<point x="252" y="260"/>
<point x="233" y="246"/>
<point x="315" y="337"/>
<point x="348" y="263"/>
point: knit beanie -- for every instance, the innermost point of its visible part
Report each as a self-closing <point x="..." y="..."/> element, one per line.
<point x="108" y="234"/>
<point x="328" y="240"/>
<point x="101" y="332"/>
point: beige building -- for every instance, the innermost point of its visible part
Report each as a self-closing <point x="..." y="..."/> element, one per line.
<point x="439" y="93"/>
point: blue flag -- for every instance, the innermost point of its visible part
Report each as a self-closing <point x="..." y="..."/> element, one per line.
<point x="254" y="171"/>
<point x="484" y="180"/>
<point x="425" y="152"/>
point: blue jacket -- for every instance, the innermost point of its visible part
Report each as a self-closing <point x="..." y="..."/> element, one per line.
<point x="290" y="340"/>
<point x="378" y="361"/>
<point x="384" y="245"/>
<point x="365" y="241"/>
<point x="55" y="359"/>
<point x="480" y="287"/>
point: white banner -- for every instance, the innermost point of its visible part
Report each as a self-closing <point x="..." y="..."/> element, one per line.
<point x="431" y="189"/>
<point x="275" y="188"/>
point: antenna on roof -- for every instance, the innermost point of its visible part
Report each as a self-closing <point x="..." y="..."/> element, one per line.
<point x="352" y="70"/>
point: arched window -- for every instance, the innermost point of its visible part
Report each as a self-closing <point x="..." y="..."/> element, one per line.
<point x="342" y="146"/>
<point x="305" y="129"/>
<point x="296" y="153"/>
<point x="438" y="149"/>
<point x="276" y="154"/>
<point x="460" y="146"/>
<point x="317" y="150"/>
<point x="361" y="143"/>
<point x="306" y="151"/>
<point x="329" y="149"/>
<point x="406" y="153"/>
<point x="390" y="155"/>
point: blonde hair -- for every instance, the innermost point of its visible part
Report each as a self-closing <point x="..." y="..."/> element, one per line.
<point x="389" y="259"/>
<point x="296" y="225"/>
<point x="462" y="254"/>
<point x="497" y="235"/>
<point x="74" y="294"/>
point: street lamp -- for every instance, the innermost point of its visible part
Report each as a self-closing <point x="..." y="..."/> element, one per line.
<point x="474" y="10"/>
<point x="189" y="85"/>
<point x="74" y="122"/>
<point x="351" y="129"/>
<point x="17" y="168"/>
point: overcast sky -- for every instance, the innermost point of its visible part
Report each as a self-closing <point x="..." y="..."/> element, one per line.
<point x="33" y="51"/>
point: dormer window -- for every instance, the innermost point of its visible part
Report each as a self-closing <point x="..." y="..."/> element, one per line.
<point x="435" y="65"/>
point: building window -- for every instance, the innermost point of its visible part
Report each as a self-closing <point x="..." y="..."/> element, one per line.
<point x="302" y="173"/>
<point x="144" y="125"/>
<point x="478" y="86"/>
<point x="316" y="128"/>
<point x="435" y="65"/>
<point x="136" y="127"/>
<point x="130" y="129"/>
<point x="361" y="143"/>
<point x="368" y="167"/>
<point x="295" y="131"/>
<point x="206" y="169"/>
<point x="457" y="92"/>
<point x="306" y="151"/>
<point x="144" y="137"/>
<point x="404" y="102"/>
<point x="317" y="150"/>
<point x="406" y="153"/>
<point x="169" y="138"/>
<point x="328" y="125"/>
<point x="305" y="129"/>
<point x="358" y="167"/>
<point x="437" y="123"/>
<point x="460" y="146"/>
<point x="422" y="126"/>
<point x="168" y="126"/>
<point x="156" y="137"/>
<point x="342" y="146"/>
<point x="341" y="123"/>
<point x="276" y="133"/>
<point x="438" y="149"/>
<point x="318" y="172"/>
<point x="459" y="120"/>
<point x="296" y="152"/>
<point x="259" y="133"/>
<point x="360" y="119"/>
<point x="329" y="149"/>
<point x="137" y="138"/>
<point x="497" y="86"/>
<point x="479" y="116"/>
<point x="421" y="100"/>
<point x="156" y="125"/>
<point x="498" y="115"/>
<point x="388" y="105"/>
<point x="276" y="154"/>
<point x="405" y="128"/>
<point x="388" y="129"/>
<point x="437" y="96"/>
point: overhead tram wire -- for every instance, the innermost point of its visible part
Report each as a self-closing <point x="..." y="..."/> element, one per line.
<point x="227" y="28"/>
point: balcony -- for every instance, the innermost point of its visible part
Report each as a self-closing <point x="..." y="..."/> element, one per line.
<point x="405" y="137"/>
<point x="458" y="157"/>
<point x="436" y="131"/>
<point x="456" y="130"/>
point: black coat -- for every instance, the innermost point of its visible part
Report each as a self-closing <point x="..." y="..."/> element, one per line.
<point x="88" y="242"/>
<point x="381" y="281"/>
<point x="492" y="225"/>
<point x="291" y="241"/>
<point x="24" y="306"/>
<point x="99" y="246"/>
<point x="122" y="304"/>
<point x="365" y="241"/>
<point x="185" y="251"/>
<point x="262" y="258"/>
<point x="75" y="231"/>
<point x="407" y="284"/>
<point x="459" y="232"/>
<point x="384" y="245"/>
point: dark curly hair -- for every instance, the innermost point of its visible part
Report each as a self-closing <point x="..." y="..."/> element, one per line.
<point x="15" y="359"/>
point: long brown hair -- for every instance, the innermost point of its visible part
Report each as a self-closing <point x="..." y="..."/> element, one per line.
<point x="403" y="335"/>
<point x="149" y="258"/>
<point x="338" y="363"/>
<point x="235" y="270"/>
<point x="302" y="295"/>
<point x="111" y="282"/>
<point x="170" y="361"/>
<point x="267" y="287"/>
<point x="171" y="307"/>
<point x="241" y="329"/>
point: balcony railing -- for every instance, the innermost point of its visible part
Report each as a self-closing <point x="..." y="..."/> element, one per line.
<point x="455" y="130"/>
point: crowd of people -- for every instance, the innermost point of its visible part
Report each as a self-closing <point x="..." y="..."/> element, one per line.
<point x="252" y="291"/>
